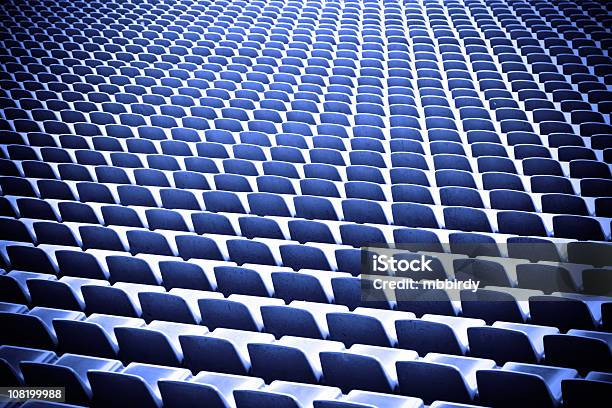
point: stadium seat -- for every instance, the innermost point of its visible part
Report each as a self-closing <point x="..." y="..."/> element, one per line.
<point x="458" y="374"/>
<point x="361" y="367"/>
<point x="538" y="385"/>
<point x="192" y="192"/>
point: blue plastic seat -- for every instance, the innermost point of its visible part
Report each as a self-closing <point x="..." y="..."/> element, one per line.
<point x="148" y="242"/>
<point x="36" y="329"/>
<point x="319" y="187"/>
<point x="511" y="200"/>
<point x="347" y="291"/>
<point x="64" y="293"/>
<point x="304" y="257"/>
<point x="239" y="312"/>
<point x="17" y="186"/>
<point x="80" y="336"/>
<point x="100" y="238"/>
<point x="438" y="334"/>
<point x="456" y="373"/>
<point x="497" y="180"/>
<point x="466" y="219"/>
<point x="368" y="367"/>
<point x="135" y="384"/>
<point x="284" y="394"/>
<point x="310" y="231"/>
<point x="248" y="251"/>
<point x="577" y="227"/>
<point x="564" y="204"/>
<point x="361" y="235"/>
<point x="461" y="196"/>
<point x="69" y="371"/>
<point x="454" y="178"/>
<point x="289" y="360"/>
<point x="592" y="388"/>
<point x="317" y="208"/>
<point x="12" y="356"/>
<point x="521" y="223"/>
<point x="220" y="351"/>
<point x="539" y="385"/>
<point x="363" y="211"/>
<point x="414" y="215"/>
<point x="223" y="201"/>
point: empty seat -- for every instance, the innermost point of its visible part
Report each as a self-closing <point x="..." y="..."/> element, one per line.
<point x="591" y="389"/>
<point x="12" y="356"/>
<point x="93" y="336"/>
<point x="511" y="200"/>
<point x="236" y="312"/>
<point x="438" y="334"/>
<point x="521" y="223"/>
<point x="367" y="368"/>
<point x="121" y="299"/>
<point x="457" y="375"/>
<point x="579" y="349"/>
<point x="28" y="258"/>
<point x="577" y="311"/>
<point x="466" y="219"/>
<point x="316" y="208"/>
<point x="148" y="242"/>
<point x="244" y="251"/>
<point x="198" y="247"/>
<point x="518" y="383"/>
<point x="35" y="327"/>
<point x="505" y="342"/>
<point x="284" y="394"/>
<point x="161" y="339"/>
<point x="290" y="359"/>
<point x="304" y="257"/>
<point x="135" y="384"/>
<point x="577" y="227"/>
<point x="357" y="398"/>
<point x="223" y="350"/>
<point x="68" y="371"/>
<point x="363" y="211"/>
<point x="365" y="326"/>
<point x="414" y="215"/>
<point x="212" y="389"/>
<point x="223" y="201"/>
<point x="64" y="293"/>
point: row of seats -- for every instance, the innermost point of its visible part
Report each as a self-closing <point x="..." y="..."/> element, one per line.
<point x="453" y="187"/>
<point x="184" y="187"/>
<point x="182" y="212"/>
<point x="77" y="290"/>
<point x="281" y="83"/>
<point x="108" y="381"/>
<point x="285" y="84"/>
<point x="212" y="221"/>
<point x="120" y="221"/>
<point x="307" y="361"/>
<point x="543" y="175"/>
<point x="296" y="218"/>
<point x="584" y="46"/>
<point x="306" y="124"/>
<point x="488" y="268"/>
<point x="522" y="145"/>
<point x="302" y="103"/>
<point x="177" y="155"/>
<point x="466" y="212"/>
<point x="305" y="92"/>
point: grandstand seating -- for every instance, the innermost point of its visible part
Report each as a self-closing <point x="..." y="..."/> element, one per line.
<point x="186" y="187"/>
